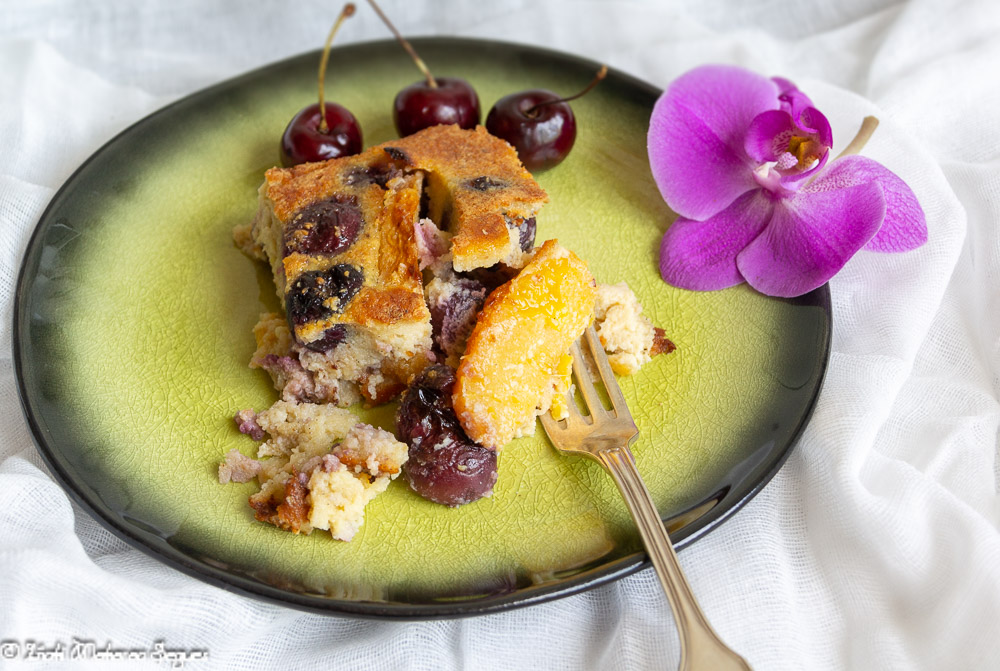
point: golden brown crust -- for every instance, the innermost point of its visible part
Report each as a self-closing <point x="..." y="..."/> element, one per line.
<point x="482" y="174"/>
<point x="291" y="513"/>
<point x="291" y="189"/>
<point x="480" y="240"/>
<point x="466" y="155"/>
<point x="357" y="462"/>
<point x="475" y="180"/>
<point x="385" y="306"/>
<point x="398" y="259"/>
<point x="264" y="509"/>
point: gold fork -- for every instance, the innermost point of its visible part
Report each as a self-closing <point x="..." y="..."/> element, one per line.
<point x="605" y="437"/>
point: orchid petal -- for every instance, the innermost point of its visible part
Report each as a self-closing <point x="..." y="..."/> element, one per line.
<point x="787" y="90"/>
<point x="695" y="140"/>
<point x="701" y="255"/>
<point x="810" y="238"/>
<point x="798" y="105"/>
<point x="905" y="226"/>
<point x="791" y="99"/>
<point x="697" y="173"/>
<point x="726" y="98"/>
<point x="768" y="135"/>
<point x="814" y="121"/>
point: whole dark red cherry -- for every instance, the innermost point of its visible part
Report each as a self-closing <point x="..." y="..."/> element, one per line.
<point x="303" y="141"/>
<point x="419" y="106"/>
<point x="315" y="135"/>
<point x="541" y="134"/>
<point x="444" y="465"/>
<point x="433" y="101"/>
<point x="538" y="123"/>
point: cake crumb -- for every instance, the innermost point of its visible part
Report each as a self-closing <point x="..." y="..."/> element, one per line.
<point x="368" y="448"/>
<point x="238" y="467"/>
<point x="243" y="237"/>
<point x="318" y="468"/>
<point x="246" y="422"/>
<point x="628" y="337"/>
<point x="307" y="428"/>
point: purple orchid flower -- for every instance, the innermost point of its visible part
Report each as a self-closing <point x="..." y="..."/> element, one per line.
<point x="743" y="160"/>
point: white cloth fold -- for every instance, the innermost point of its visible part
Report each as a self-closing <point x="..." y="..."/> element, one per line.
<point x="875" y="547"/>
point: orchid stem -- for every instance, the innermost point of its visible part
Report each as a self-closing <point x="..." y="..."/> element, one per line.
<point x="868" y="127"/>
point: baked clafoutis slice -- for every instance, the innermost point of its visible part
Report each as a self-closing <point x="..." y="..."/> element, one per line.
<point x="339" y="236"/>
<point x="341" y="240"/>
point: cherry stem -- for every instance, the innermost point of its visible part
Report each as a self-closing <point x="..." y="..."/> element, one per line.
<point x="347" y="11"/>
<point x="868" y="126"/>
<point x="601" y="74"/>
<point x="406" y="45"/>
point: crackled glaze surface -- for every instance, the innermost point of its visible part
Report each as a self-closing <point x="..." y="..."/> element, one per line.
<point x="133" y="335"/>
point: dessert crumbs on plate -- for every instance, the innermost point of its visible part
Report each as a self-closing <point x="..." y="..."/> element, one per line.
<point x="317" y="469"/>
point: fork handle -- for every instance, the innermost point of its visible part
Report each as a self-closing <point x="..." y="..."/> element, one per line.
<point x="701" y="647"/>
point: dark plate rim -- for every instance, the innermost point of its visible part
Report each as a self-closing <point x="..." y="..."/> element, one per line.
<point x="159" y="549"/>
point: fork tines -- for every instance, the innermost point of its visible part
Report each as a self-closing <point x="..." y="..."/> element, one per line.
<point x="585" y="381"/>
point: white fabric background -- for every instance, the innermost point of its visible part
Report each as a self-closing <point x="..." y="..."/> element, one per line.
<point x="875" y="547"/>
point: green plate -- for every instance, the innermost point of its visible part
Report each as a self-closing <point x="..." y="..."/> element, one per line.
<point x="133" y="333"/>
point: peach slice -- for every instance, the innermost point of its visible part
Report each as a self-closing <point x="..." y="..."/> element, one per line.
<point x="523" y="331"/>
